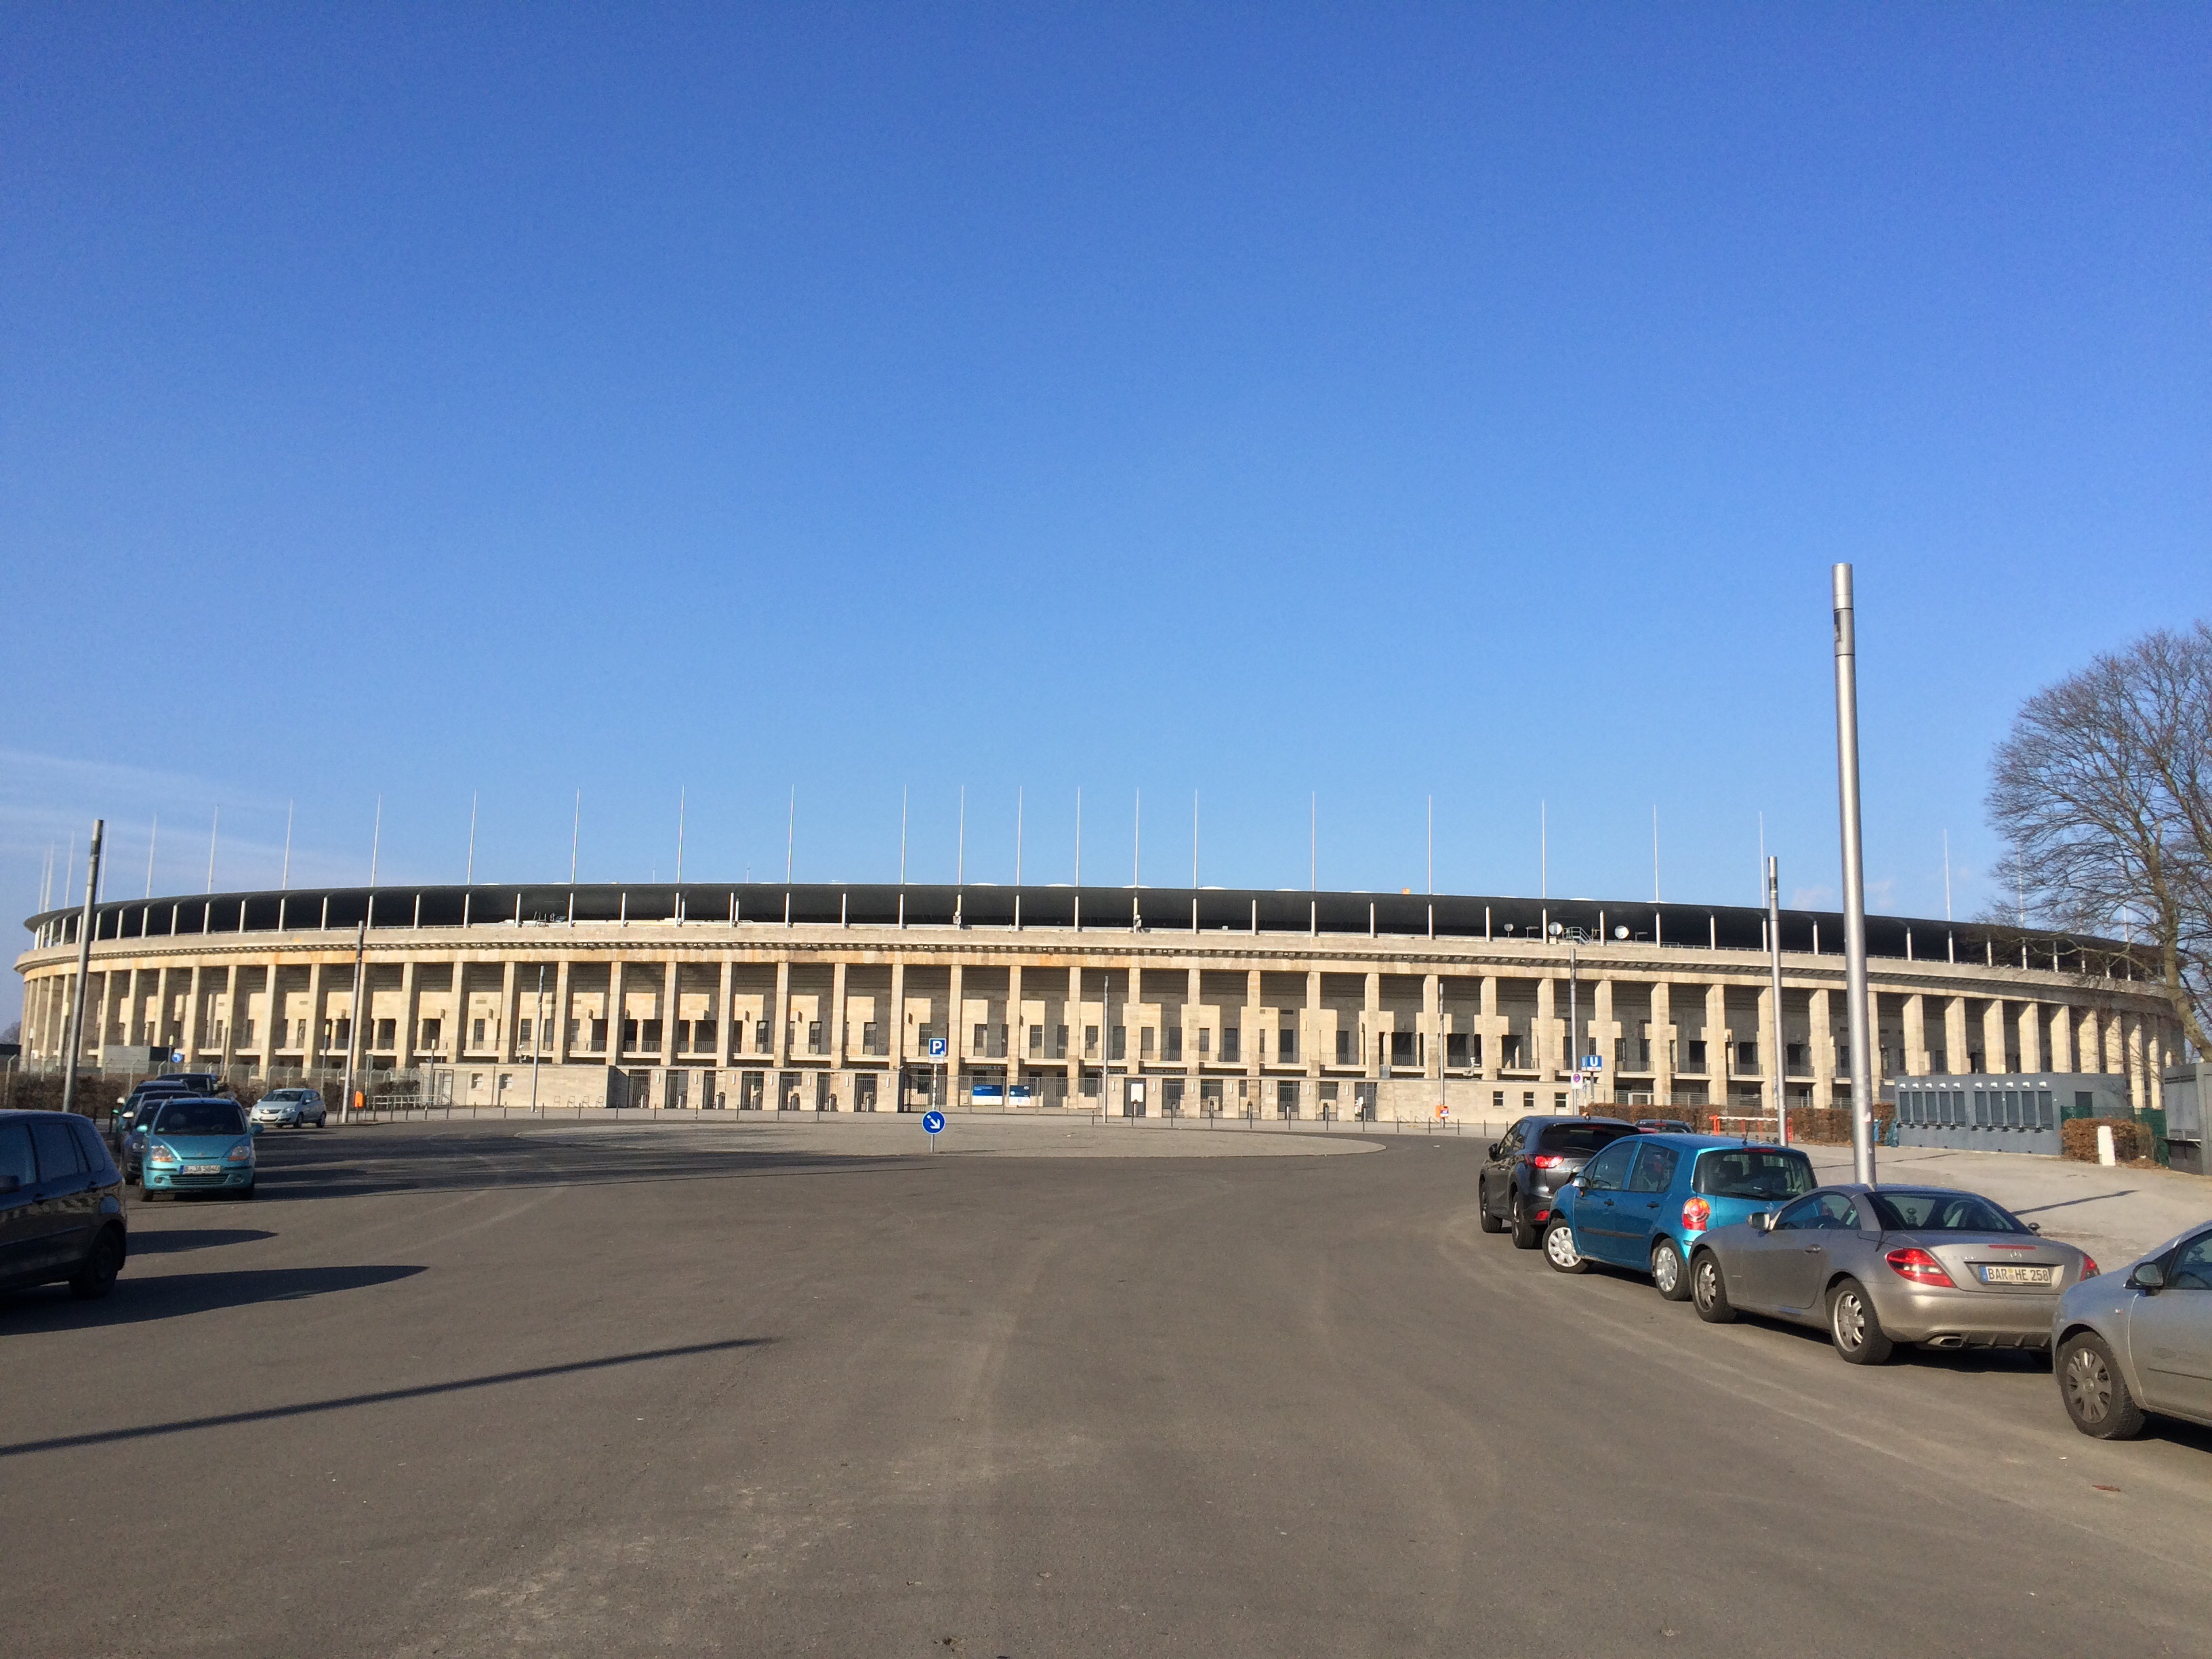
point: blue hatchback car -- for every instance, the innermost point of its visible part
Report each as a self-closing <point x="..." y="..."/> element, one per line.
<point x="190" y="1146"/>
<point x="1643" y="1202"/>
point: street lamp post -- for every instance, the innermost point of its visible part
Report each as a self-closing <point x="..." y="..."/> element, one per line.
<point x="1774" y="964"/>
<point x="84" y="925"/>
<point x="1855" y="964"/>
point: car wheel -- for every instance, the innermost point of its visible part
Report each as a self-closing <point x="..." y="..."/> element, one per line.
<point x="97" y="1277"/>
<point x="1490" y="1223"/>
<point x="244" y="1193"/>
<point x="1524" y="1231"/>
<point x="1559" y="1249"/>
<point x="146" y="1194"/>
<point x="1709" y="1291"/>
<point x="1853" y="1326"/>
<point x="2096" y="1394"/>
<point x="1668" y="1276"/>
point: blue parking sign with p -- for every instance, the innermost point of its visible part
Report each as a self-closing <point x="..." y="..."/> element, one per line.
<point x="937" y="1048"/>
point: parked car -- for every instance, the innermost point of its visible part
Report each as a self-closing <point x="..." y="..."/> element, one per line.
<point x="1645" y="1202"/>
<point x="289" y="1109"/>
<point x="197" y="1144"/>
<point x="1878" y="1266"/>
<point x="61" y="1204"/>
<point x="1665" y="1125"/>
<point x="120" y="1119"/>
<point x="2130" y="1344"/>
<point x="1530" y="1162"/>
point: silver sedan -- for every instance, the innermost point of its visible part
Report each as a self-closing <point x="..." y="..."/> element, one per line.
<point x="1878" y="1266"/>
<point x="2139" y="1341"/>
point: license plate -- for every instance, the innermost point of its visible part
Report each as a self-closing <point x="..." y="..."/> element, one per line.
<point x="203" y="1169"/>
<point x="1995" y="1272"/>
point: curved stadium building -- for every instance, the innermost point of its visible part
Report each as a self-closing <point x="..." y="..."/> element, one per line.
<point x="1243" y="1003"/>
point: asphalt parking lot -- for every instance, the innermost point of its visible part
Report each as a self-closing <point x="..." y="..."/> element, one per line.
<point x="492" y="1389"/>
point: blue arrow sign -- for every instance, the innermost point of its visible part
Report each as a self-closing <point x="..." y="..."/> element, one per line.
<point x="933" y="1123"/>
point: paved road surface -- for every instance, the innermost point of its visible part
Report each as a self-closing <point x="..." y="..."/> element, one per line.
<point x="470" y="1393"/>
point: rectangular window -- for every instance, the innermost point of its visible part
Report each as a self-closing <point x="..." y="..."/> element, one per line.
<point x="982" y="1040"/>
<point x="1171" y="1040"/>
<point x="1232" y="1040"/>
<point x="1343" y="1047"/>
<point x="1060" y="1042"/>
<point x="652" y="1029"/>
<point x="1981" y="1109"/>
<point x="1747" y="1056"/>
<point x="1498" y="1100"/>
<point x="432" y="1030"/>
<point x="1204" y="1042"/>
<point x="475" y="1039"/>
<point x="872" y="1038"/>
<point x="1091" y="1043"/>
<point x="1287" y="1045"/>
<point x="522" y="1028"/>
<point x="1037" y="1042"/>
<point x="387" y="1033"/>
<point x="1401" y="1048"/>
<point x="1121" y="1043"/>
<point x="760" y="1038"/>
<point x="2045" y="1117"/>
<point x="1456" y="1049"/>
<point x="1697" y="1054"/>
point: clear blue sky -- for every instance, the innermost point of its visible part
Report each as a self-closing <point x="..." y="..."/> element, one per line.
<point x="1383" y="403"/>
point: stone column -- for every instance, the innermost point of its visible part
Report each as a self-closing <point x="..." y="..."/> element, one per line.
<point x="1491" y="1028"/>
<point x="1607" y="1030"/>
<point x="2030" y="1037"/>
<point x="1370" y="1024"/>
<point x="2115" y="1028"/>
<point x="559" y="1016"/>
<point x="106" y="1015"/>
<point x="273" y="1019"/>
<point x="1662" y="1043"/>
<point x="2138" y="1094"/>
<point x="1957" y="1060"/>
<point x="1309" y="1035"/>
<point x="2062" y="1038"/>
<point x="2089" y="1050"/>
<point x="1014" y="1022"/>
<point x="231" y="1000"/>
<point x="1915" y="1035"/>
<point x="403" y="1029"/>
<point x="1255" y="1036"/>
<point x="1193" y="1007"/>
<point x="671" y="1006"/>
<point x="1074" y="1058"/>
<point x="1769" y="1063"/>
<point x="191" y="1045"/>
<point x="780" y="1025"/>
<point x="1543" y="1037"/>
<point x="617" y="1010"/>
<point x="1821" y="1022"/>
<point x="837" y="1015"/>
<point x="1994" y="1052"/>
<point x="311" y="1046"/>
<point x="1719" y="1057"/>
<point x="956" y="1043"/>
<point x="722" y="1018"/>
<point x="510" y="1014"/>
<point x="456" y="1041"/>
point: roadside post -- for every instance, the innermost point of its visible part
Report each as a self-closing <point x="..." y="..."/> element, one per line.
<point x="86" y="920"/>
<point x="1774" y="961"/>
<point x="1847" y="793"/>
<point x="932" y="1125"/>
<point x="938" y="1049"/>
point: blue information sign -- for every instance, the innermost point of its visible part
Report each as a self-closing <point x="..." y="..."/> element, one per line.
<point x="931" y="1123"/>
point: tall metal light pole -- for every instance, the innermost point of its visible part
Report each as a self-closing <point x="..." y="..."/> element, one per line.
<point x="1854" y="967"/>
<point x="354" y="1024"/>
<point x="1774" y="964"/>
<point x="83" y="965"/>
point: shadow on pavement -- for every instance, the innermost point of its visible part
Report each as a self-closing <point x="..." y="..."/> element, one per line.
<point x="358" y="1166"/>
<point x="383" y="1396"/>
<point x="168" y="1243"/>
<point x="170" y="1296"/>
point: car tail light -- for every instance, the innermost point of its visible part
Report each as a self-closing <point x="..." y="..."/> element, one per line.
<point x="1547" y="1161"/>
<point x="2088" y="1267"/>
<point x="1697" y="1216"/>
<point x="1919" y="1267"/>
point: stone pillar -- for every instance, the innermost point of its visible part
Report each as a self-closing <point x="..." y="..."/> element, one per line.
<point x="2062" y="1038"/>
<point x="1662" y="1043"/>
<point x="2030" y="1037"/>
<point x="1957" y="1060"/>
<point x="1769" y="1063"/>
<point x="1370" y="1022"/>
<point x="1193" y="1004"/>
<point x="191" y="1045"/>
<point x="457" y="1038"/>
<point x="2116" y="1063"/>
<point x="311" y="1044"/>
<point x="956" y="1045"/>
<point x="2138" y="1092"/>
<point x="837" y="1015"/>
<point x="1014" y="1032"/>
<point x="617" y="1008"/>
<point x="1607" y="1031"/>
<point x="272" y="1020"/>
<point x="1491" y="1028"/>
<point x="1994" y="1052"/>
<point x="1073" y="1059"/>
<point x="510" y="1014"/>
<point x="1719" y="1056"/>
<point x="559" y="1016"/>
<point x="780" y="1020"/>
<point x="1432" y="1012"/>
<point x="722" y="1020"/>
<point x="1310" y="1036"/>
<point x="1821" y="1022"/>
<point x="1255" y="1036"/>
<point x="671" y="1006"/>
<point x="1915" y="1035"/>
<point x="1543" y="1038"/>
<point x="403" y="1029"/>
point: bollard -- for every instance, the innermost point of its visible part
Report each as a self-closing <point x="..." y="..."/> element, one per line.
<point x="2106" y="1154"/>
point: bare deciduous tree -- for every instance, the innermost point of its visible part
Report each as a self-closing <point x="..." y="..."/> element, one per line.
<point x="2103" y="793"/>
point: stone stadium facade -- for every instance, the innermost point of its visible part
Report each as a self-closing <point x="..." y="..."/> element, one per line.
<point x="1241" y="1003"/>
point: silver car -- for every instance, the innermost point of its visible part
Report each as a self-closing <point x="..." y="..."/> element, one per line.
<point x="2139" y="1341"/>
<point x="1878" y="1266"/>
<point x="290" y="1109"/>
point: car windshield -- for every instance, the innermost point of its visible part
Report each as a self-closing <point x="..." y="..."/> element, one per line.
<point x="1941" y="1213"/>
<point x="1580" y="1138"/>
<point x="282" y="1097"/>
<point x="1762" y="1172"/>
<point x="198" y="1117"/>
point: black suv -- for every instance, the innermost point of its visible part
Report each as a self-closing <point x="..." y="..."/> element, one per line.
<point x="1536" y="1157"/>
<point x="61" y="1204"/>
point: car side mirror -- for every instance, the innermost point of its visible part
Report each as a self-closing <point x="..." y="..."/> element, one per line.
<point x="9" y="1184"/>
<point x="2147" y="1276"/>
<point x="2035" y="1226"/>
<point x="1762" y="1220"/>
<point x="1494" y="1147"/>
